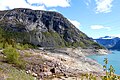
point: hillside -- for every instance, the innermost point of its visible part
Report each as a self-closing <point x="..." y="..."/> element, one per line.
<point x="117" y="46"/>
<point x="42" y="28"/>
<point x="107" y="41"/>
<point x="41" y="45"/>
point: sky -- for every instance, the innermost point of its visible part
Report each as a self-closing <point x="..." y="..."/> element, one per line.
<point x="96" y="18"/>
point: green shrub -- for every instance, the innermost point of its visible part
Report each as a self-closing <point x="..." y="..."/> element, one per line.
<point x="26" y="46"/>
<point x="82" y="45"/>
<point x="1" y="45"/>
<point x="47" y="34"/>
<point x="12" y="56"/>
<point x="19" y="46"/>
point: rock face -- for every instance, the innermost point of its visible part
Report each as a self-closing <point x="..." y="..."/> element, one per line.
<point x="43" y="28"/>
<point x="107" y="41"/>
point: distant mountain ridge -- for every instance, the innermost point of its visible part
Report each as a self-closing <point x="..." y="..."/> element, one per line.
<point x="117" y="46"/>
<point x="107" y="37"/>
<point x="43" y="28"/>
<point x="108" y="41"/>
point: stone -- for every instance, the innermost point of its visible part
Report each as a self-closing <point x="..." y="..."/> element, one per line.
<point x="28" y="72"/>
<point x="34" y="74"/>
<point x="47" y="73"/>
<point x="52" y="70"/>
<point x="45" y="68"/>
<point x="66" y="76"/>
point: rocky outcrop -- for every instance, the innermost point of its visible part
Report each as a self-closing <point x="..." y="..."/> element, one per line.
<point x="43" y="28"/>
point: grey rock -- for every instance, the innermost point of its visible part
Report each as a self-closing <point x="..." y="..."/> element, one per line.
<point x="43" y="28"/>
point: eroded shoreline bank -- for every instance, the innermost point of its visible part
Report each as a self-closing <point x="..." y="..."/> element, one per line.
<point x="61" y="62"/>
<point x="70" y="61"/>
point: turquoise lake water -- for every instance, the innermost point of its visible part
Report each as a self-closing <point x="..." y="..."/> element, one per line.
<point x="113" y="59"/>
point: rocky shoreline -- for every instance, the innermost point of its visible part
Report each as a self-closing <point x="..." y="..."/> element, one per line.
<point x="57" y="63"/>
<point x="62" y="62"/>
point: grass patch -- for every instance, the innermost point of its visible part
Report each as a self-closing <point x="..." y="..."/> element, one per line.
<point x="12" y="56"/>
<point x="21" y="46"/>
<point x="11" y="73"/>
<point x="19" y="75"/>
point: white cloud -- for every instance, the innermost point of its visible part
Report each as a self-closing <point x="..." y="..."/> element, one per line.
<point x="103" y="6"/>
<point x="75" y="23"/>
<point x="40" y="4"/>
<point x="52" y="3"/>
<point x="53" y="10"/>
<point x="97" y="27"/>
<point x="11" y="4"/>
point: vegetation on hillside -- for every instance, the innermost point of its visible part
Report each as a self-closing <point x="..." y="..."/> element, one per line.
<point x="11" y="65"/>
<point x="13" y="57"/>
<point x="14" y="39"/>
<point x="10" y="48"/>
<point x="8" y="72"/>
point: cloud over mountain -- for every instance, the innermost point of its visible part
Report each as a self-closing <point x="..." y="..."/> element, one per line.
<point x="51" y="3"/>
<point x="75" y="23"/>
<point x="96" y="27"/>
<point x="33" y="4"/>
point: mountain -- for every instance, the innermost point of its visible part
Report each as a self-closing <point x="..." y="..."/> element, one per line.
<point x="42" y="28"/>
<point x="117" y="46"/>
<point x="107" y="41"/>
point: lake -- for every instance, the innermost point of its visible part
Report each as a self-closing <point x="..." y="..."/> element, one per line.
<point x="113" y="59"/>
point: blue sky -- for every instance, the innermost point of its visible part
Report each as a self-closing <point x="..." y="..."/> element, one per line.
<point x="96" y="18"/>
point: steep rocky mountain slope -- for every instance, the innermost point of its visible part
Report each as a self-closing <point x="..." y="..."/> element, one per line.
<point x="107" y="41"/>
<point x="42" y="28"/>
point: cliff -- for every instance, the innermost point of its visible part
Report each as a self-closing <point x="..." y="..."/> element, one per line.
<point x="42" y="28"/>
